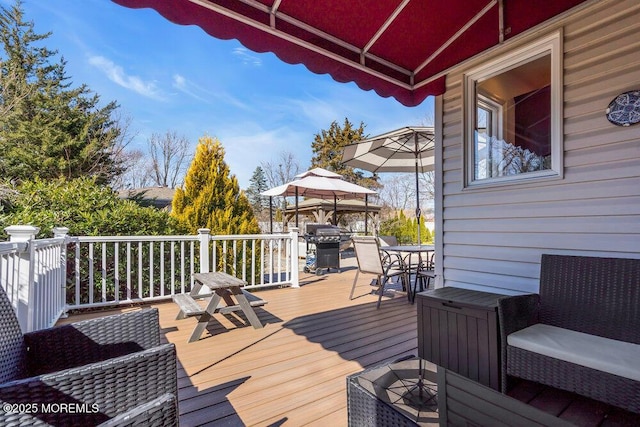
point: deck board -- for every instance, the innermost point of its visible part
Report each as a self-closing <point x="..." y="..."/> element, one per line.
<point x="293" y="371"/>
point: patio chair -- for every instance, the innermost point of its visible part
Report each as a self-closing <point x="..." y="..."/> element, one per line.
<point x="395" y="258"/>
<point x="86" y="373"/>
<point x="425" y="273"/>
<point x="371" y="261"/>
<point x="388" y="241"/>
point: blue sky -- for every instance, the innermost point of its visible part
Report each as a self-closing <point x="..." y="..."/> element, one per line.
<point x="168" y="77"/>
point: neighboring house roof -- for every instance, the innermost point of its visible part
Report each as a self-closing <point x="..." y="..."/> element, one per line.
<point x="159" y="197"/>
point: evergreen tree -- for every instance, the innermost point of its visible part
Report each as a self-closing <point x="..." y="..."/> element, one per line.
<point x="47" y="128"/>
<point x="405" y="229"/>
<point x="328" y="147"/>
<point x="258" y="184"/>
<point x="211" y="197"/>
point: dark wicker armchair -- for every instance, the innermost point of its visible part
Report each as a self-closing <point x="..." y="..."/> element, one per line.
<point x="595" y="296"/>
<point x="110" y="369"/>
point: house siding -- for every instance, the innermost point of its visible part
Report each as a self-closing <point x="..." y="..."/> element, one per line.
<point x="492" y="237"/>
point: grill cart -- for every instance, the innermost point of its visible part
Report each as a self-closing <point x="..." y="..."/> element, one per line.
<point x="323" y="248"/>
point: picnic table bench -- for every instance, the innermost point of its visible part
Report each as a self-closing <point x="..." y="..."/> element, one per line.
<point x="225" y="289"/>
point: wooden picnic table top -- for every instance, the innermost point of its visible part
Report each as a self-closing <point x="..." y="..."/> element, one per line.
<point x="218" y="280"/>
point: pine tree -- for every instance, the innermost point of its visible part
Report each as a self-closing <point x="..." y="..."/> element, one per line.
<point x="47" y="128"/>
<point x="211" y="197"/>
<point x="328" y="147"/>
<point x="258" y="184"/>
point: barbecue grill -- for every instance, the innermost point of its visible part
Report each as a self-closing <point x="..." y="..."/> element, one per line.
<point x="326" y="239"/>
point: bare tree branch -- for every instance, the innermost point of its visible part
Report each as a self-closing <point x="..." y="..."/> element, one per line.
<point x="168" y="158"/>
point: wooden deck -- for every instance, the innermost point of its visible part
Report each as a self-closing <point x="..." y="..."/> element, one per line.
<point x="293" y="371"/>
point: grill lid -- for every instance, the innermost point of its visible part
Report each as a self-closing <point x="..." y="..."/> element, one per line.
<point x="322" y="230"/>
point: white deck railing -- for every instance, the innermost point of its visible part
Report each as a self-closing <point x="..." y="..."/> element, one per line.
<point x="33" y="276"/>
<point x="44" y="278"/>
<point x="10" y="270"/>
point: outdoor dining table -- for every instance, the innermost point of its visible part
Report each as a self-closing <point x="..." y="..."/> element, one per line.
<point x="409" y="251"/>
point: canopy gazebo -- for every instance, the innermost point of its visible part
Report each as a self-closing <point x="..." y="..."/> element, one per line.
<point x="319" y="183"/>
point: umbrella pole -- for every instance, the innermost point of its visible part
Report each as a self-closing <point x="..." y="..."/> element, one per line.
<point x="297" y="206"/>
<point x="335" y="210"/>
<point x="417" y="190"/>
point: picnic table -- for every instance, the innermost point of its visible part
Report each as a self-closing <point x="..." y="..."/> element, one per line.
<point x="225" y="288"/>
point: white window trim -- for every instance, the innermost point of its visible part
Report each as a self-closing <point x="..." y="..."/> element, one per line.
<point x="498" y="109"/>
<point x="549" y="44"/>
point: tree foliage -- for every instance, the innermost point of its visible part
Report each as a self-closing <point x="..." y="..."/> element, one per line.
<point x="84" y="207"/>
<point x="47" y="128"/>
<point x="211" y="197"/>
<point x="405" y="229"/>
<point x="258" y="184"/>
<point x="328" y="146"/>
<point x="278" y="172"/>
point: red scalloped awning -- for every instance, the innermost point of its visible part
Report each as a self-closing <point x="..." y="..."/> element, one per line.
<point x="398" y="48"/>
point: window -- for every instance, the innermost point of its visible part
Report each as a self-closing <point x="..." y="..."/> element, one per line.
<point x="513" y="116"/>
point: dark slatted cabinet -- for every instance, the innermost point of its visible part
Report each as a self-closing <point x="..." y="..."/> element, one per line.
<point x="458" y="329"/>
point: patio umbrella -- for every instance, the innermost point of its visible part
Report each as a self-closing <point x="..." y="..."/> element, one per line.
<point x="321" y="184"/>
<point x="399" y="48"/>
<point x="408" y="149"/>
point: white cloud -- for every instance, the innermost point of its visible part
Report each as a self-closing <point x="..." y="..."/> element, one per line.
<point x="246" y="57"/>
<point x="181" y="83"/>
<point x="205" y="95"/>
<point x="116" y="74"/>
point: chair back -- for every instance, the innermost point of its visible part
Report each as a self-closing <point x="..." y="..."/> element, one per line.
<point x="594" y="295"/>
<point x="388" y="240"/>
<point x="367" y="251"/>
<point x="12" y="347"/>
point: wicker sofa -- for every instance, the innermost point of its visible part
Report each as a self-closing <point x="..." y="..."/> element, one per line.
<point x="581" y="333"/>
<point x="111" y="369"/>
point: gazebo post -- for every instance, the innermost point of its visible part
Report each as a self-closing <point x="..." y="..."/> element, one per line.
<point x="296" y="206"/>
<point x="366" y="214"/>
<point x="271" y="214"/>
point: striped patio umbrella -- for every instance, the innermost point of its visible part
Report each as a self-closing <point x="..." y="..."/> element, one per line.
<point x="408" y="149"/>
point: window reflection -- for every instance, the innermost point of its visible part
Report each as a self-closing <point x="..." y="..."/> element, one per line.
<point x="513" y="121"/>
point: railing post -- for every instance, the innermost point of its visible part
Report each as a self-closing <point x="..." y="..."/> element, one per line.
<point x="295" y="268"/>
<point x="62" y="232"/>
<point x="23" y="233"/>
<point x="203" y="235"/>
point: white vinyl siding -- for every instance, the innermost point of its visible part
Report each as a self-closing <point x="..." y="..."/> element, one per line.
<point x="492" y="238"/>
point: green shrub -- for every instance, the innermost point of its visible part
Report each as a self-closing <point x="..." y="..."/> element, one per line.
<point x="86" y="208"/>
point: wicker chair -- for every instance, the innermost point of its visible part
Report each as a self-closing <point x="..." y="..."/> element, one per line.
<point x="109" y="369"/>
<point x="595" y="296"/>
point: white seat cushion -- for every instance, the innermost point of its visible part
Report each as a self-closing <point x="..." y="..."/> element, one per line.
<point x="603" y="354"/>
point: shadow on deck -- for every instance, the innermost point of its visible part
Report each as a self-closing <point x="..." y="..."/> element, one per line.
<point x="293" y="371"/>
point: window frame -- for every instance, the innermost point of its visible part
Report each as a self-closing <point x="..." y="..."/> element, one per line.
<point x="548" y="45"/>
